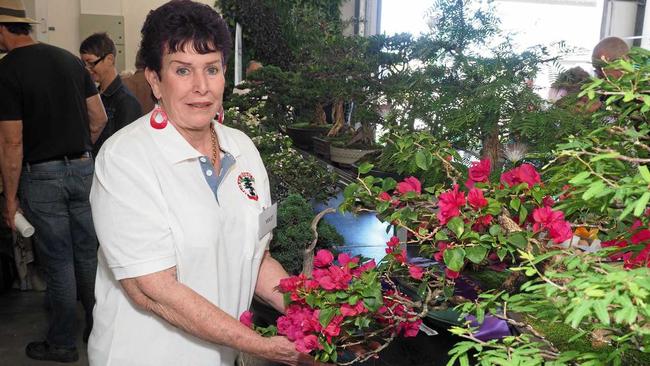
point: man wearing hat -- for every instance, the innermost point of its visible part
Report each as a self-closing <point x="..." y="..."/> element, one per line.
<point x="50" y="115"/>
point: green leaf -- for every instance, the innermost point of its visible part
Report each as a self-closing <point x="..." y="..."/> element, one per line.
<point x="388" y="184"/>
<point x="326" y="315"/>
<point x="501" y="253"/>
<point x="523" y="214"/>
<point x="600" y="308"/>
<point x="626" y="211"/>
<point x="591" y="94"/>
<point x="350" y="189"/>
<point x="454" y="258"/>
<point x="515" y="203"/>
<point x="421" y="160"/>
<point x="476" y="254"/>
<point x="594" y="189"/>
<point x="611" y="155"/>
<point x="628" y="96"/>
<point x="538" y="195"/>
<point x="641" y="204"/>
<point x="441" y="235"/>
<point x="579" y="178"/>
<point x="457" y="226"/>
<point x="518" y="239"/>
<point x="645" y="174"/>
<point x="495" y="230"/>
<point x="365" y="168"/>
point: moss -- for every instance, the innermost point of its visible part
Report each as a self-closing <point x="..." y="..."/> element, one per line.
<point x="559" y="334"/>
<point x="293" y="233"/>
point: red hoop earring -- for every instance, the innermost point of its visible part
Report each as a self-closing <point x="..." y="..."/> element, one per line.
<point x="158" y="119"/>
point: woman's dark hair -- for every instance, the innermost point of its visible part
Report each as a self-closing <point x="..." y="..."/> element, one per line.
<point x="179" y="24"/>
<point x="98" y="44"/>
<point x="18" y="28"/>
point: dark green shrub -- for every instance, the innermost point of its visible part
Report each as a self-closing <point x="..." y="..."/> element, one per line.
<point x="293" y="234"/>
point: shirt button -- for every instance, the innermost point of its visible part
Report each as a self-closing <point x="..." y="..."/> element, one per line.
<point x="202" y="159"/>
<point x="208" y="173"/>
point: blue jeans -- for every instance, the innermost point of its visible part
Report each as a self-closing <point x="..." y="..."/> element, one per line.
<point x="54" y="198"/>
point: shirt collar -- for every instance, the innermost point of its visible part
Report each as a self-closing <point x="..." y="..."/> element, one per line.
<point x="227" y="142"/>
<point x="176" y="149"/>
<point x="113" y="87"/>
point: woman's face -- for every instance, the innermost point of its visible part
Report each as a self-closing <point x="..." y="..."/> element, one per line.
<point x="190" y="87"/>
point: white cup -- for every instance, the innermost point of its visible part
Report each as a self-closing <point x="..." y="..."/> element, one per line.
<point x="23" y="226"/>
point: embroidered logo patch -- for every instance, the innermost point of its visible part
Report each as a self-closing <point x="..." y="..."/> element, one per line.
<point x="246" y="183"/>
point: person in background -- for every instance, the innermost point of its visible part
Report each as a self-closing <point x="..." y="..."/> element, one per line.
<point x="139" y="86"/>
<point x="50" y="115"/>
<point x="98" y="53"/>
<point x="607" y="50"/>
<point x="179" y="203"/>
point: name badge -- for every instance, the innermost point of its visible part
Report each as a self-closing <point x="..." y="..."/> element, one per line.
<point x="268" y="220"/>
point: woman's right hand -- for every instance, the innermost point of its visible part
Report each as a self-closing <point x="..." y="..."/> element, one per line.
<point x="283" y="350"/>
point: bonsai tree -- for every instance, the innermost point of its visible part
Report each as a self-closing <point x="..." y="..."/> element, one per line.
<point x="468" y="85"/>
<point x="294" y="235"/>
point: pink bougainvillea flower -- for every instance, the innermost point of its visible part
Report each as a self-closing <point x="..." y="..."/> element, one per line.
<point x="410" y="184"/>
<point x="246" y="318"/>
<point x="525" y="173"/>
<point x="482" y="223"/>
<point x="289" y="284"/>
<point x="383" y="196"/>
<point x="333" y="329"/>
<point x="553" y="221"/>
<point x="548" y="201"/>
<point x="476" y="199"/>
<point x="400" y="257"/>
<point x="449" y="204"/>
<point x="617" y="243"/>
<point x="322" y="276"/>
<point x="560" y="231"/>
<point x="307" y="344"/>
<point x="348" y="310"/>
<point x="544" y="216"/>
<point x="528" y="174"/>
<point x="409" y="329"/>
<point x="368" y="266"/>
<point x="479" y="172"/>
<point x="365" y="267"/>
<point x="451" y="274"/>
<point x="393" y="242"/>
<point x="442" y="246"/>
<point x="352" y="310"/>
<point x="416" y="272"/>
<point x="344" y="259"/>
<point x="323" y="258"/>
<point x="340" y="277"/>
<point x="641" y="237"/>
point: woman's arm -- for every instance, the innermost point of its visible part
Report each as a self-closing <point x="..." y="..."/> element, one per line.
<point x="268" y="278"/>
<point x="161" y="294"/>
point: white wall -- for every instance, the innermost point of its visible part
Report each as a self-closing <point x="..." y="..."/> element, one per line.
<point x="63" y="17"/>
<point x="62" y="20"/>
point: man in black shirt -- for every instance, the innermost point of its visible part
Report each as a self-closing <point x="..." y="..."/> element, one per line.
<point x="50" y="115"/>
<point x="122" y="108"/>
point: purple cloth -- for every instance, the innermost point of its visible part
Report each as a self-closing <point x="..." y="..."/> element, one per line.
<point x="492" y="328"/>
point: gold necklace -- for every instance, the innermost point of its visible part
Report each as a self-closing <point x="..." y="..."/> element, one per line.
<point x="213" y="137"/>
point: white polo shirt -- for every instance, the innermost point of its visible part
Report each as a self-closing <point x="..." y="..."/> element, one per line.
<point x="154" y="209"/>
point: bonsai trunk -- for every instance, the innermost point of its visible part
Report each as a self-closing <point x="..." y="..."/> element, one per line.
<point x="319" y="115"/>
<point x="492" y="147"/>
<point x="339" y="118"/>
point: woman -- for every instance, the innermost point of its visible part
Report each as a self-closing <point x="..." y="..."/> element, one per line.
<point x="177" y="201"/>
